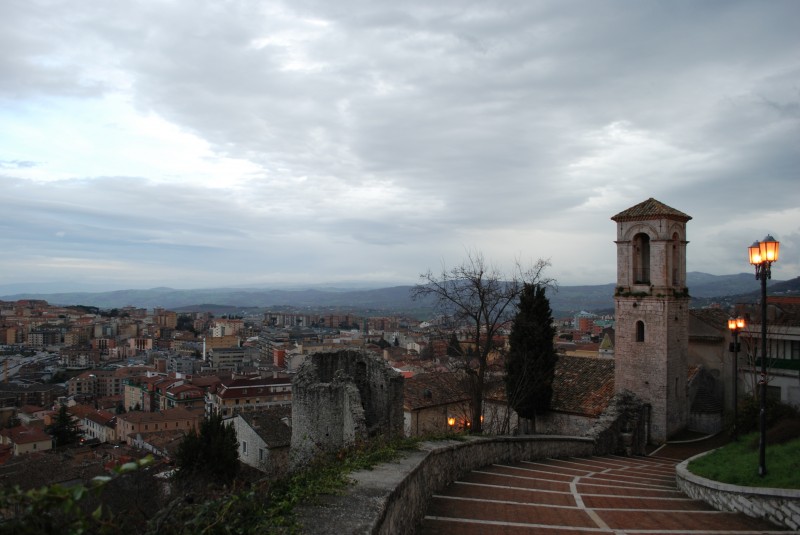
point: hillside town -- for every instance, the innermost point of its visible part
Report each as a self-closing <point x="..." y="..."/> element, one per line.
<point x="143" y="377"/>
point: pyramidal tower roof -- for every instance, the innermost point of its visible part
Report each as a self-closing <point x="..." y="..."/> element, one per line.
<point x="651" y="209"/>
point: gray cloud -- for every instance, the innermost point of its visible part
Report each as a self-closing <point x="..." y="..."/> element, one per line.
<point x="384" y="138"/>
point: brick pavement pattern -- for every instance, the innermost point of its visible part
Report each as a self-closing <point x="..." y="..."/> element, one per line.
<point x="616" y="495"/>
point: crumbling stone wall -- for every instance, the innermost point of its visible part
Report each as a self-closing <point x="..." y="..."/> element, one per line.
<point x="622" y="428"/>
<point x="340" y="398"/>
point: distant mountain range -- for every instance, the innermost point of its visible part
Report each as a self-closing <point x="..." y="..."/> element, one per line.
<point x="704" y="288"/>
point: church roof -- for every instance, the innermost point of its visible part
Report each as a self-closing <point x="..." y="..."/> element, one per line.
<point x="650" y="209"/>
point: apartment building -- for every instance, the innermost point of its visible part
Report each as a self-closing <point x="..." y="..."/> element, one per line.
<point x="229" y="358"/>
<point x="233" y="396"/>
<point x="100" y="425"/>
<point x="131" y="424"/>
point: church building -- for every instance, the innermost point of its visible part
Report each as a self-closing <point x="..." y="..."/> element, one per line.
<point x="651" y="304"/>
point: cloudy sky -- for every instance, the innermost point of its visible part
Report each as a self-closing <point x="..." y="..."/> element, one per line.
<point x="192" y="143"/>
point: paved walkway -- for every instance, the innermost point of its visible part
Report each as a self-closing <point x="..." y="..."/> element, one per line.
<point x="617" y="495"/>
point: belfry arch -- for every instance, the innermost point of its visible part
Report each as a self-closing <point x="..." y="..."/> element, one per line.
<point x="641" y="258"/>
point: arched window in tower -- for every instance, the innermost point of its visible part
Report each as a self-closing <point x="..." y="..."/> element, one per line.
<point x="640" y="331"/>
<point x="676" y="261"/>
<point x="641" y="259"/>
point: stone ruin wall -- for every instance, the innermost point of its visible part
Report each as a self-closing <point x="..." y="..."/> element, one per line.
<point x="623" y="427"/>
<point x="340" y="398"/>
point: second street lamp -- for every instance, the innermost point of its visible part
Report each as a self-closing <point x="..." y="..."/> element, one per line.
<point x="762" y="255"/>
<point x="735" y="325"/>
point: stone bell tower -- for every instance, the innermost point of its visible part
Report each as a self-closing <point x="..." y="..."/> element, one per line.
<point x="651" y="305"/>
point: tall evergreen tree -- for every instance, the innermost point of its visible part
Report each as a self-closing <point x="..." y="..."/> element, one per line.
<point x="531" y="361"/>
<point x="213" y="452"/>
<point x="63" y="429"/>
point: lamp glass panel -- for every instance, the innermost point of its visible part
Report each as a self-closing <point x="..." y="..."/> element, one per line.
<point x="755" y="253"/>
<point x="769" y="249"/>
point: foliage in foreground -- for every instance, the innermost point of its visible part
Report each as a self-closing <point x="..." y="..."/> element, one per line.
<point x="56" y="509"/>
<point x="749" y="409"/>
<point x="258" y="508"/>
<point x="737" y="464"/>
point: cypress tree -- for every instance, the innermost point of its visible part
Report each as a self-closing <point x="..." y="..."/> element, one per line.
<point x="212" y="453"/>
<point x="530" y="365"/>
<point x="64" y="430"/>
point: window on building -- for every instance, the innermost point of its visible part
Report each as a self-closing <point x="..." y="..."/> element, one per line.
<point x="795" y="349"/>
<point x="640" y="331"/>
<point x="244" y="447"/>
<point x="261" y="454"/>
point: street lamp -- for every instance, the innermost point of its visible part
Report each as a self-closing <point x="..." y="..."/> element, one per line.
<point x="762" y="255"/>
<point x="735" y="325"/>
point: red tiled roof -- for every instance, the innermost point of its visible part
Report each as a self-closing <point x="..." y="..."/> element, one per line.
<point x="650" y="209"/>
<point x="25" y="435"/>
<point x="582" y="385"/>
<point x="178" y="413"/>
<point x="80" y="411"/>
<point x="430" y="389"/>
<point x="100" y="417"/>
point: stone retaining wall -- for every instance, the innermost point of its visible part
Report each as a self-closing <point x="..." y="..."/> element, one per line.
<point x="779" y="506"/>
<point x="393" y="497"/>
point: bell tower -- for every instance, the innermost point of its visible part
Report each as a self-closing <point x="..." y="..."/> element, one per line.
<point x="651" y="306"/>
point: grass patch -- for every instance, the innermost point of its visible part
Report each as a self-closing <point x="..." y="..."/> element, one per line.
<point x="737" y="463"/>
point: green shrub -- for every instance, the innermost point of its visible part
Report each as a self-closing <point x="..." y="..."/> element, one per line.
<point x="749" y="409"/>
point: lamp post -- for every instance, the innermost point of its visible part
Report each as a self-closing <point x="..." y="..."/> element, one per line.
<point x="735" y="325"/>
<point x="762" y="255"/>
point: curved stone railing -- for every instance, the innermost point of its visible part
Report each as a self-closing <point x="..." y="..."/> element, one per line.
<point x="393" y="497"/>
<point x="779" y="506"/>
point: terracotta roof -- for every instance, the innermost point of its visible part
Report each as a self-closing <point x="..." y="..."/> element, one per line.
<point x="178" y="413"/>
<point x="35" y="470"/>
<point x="100" y="417"/>
<point x="430" y="389"/>
<point x="80" y="411"/>
<point x="650" y="209"/>
<point x="25" y="435"/>
<point x="31" y="409"/>
<point x="582" y="385"/>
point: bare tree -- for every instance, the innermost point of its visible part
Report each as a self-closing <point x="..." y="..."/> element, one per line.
<point x="479" y="299"/>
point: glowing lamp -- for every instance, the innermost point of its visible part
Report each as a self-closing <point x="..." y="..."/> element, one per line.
<point x="736" y="324"/>
<point x="769" y="248"/>
<point x="451" y="421"/>
<point x="755" y="253"/>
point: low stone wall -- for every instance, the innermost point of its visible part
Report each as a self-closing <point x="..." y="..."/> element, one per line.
<point x="393" y="497"/>
<point x="779" y="506"/>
